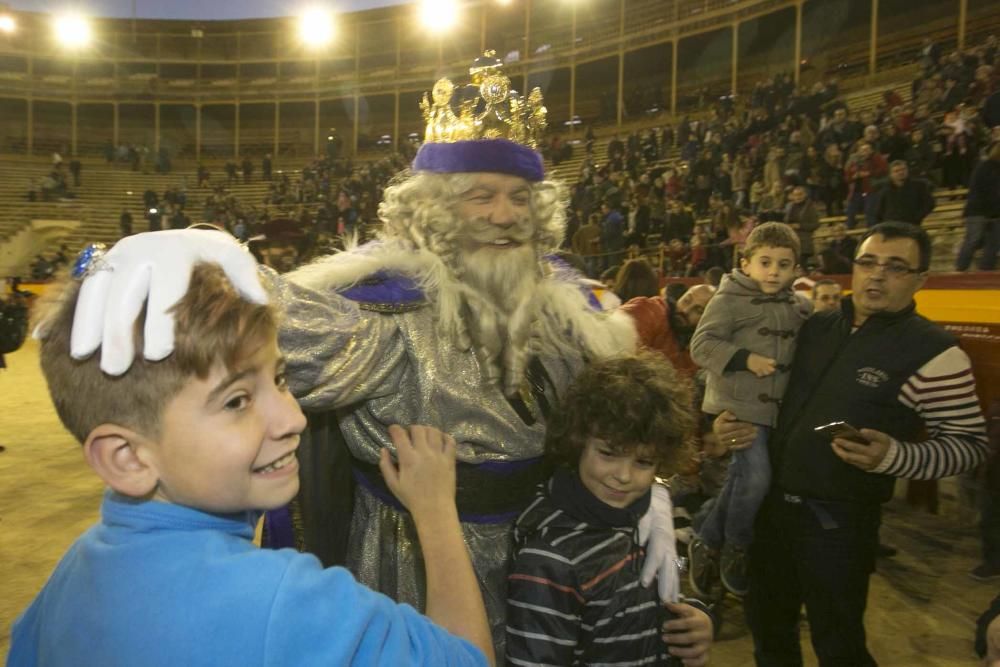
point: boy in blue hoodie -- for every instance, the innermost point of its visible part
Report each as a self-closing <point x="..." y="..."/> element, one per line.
<point x="193" y="448"/>
<point x="574" y="596"/>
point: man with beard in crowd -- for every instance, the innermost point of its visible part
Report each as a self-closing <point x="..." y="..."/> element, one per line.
<point x="667" y="325"/>
<point x="453" y="319"/>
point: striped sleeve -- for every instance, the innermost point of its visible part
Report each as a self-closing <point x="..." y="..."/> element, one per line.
<point x="943" y="393"/>
<point x="544" y="608"/>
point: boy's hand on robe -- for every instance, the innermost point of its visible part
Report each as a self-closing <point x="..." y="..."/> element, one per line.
<point x="423" y="476"/>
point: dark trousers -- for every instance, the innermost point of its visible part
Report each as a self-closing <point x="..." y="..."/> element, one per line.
<point x="989" y="507"/>
<point x="816" y="553"/>
<point x="979" y="231"/>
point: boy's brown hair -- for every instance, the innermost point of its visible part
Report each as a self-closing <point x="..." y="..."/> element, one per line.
<point x="212" y="323"/>
<point x="772" y="235"/>
<point x="630" y="402"/>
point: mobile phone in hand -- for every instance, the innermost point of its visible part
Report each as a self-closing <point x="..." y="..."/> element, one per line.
<point x="842" y="430"/>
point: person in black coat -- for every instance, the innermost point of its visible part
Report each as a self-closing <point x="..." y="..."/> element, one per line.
<point x="982" y="213"/>
<point x="902" y="198"/>
<point x="125" y="223"/>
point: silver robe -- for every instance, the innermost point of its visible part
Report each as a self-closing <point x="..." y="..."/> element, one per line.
<point x="391" y="367"/>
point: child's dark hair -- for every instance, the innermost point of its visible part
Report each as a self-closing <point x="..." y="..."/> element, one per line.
<point x="629" y="402"/>
<point x="773" y="235"/>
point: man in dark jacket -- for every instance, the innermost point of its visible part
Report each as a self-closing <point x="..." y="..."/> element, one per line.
<point x="612" y="235"/>
<point x="125" y="223"/>
<point x="894" y="375"/>
<point x="802" y="216"/>
<point x="904" y="199"/>
<point x="919" y="155"/>
<point x="679" y="223"/>
<point x="991" y="110"/>
<point x="982" y="213"/>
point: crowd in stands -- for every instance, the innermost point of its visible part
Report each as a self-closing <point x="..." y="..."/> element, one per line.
<point x="784" y="154"/>
<point x="47" y="263"/>
<point x="138" y="157"/>
<point x="686" y="195"/>
<point x="301" y="216"/>
<point x="56" y="186"/>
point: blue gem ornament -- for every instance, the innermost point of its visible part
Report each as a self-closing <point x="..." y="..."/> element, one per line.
<point x="90" y="261"/>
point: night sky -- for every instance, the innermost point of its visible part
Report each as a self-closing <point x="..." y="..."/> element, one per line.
<point x="193" y="9"/>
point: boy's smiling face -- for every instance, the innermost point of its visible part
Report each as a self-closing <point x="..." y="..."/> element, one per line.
<point x="227" y="442"/>
<point x="617" y="478"/>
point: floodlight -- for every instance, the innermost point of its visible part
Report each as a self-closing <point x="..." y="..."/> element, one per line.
<point x="72" y="30"/>
<point x="316" y="27"/>
<point x="503" y="2"/>
<point x="438" y="15"/>
<point x="7" y="24"/>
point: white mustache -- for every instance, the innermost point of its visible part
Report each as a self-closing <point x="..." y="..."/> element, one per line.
<point x="483" y="231"/>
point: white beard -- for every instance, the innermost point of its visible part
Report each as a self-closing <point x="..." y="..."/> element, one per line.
<point x="498" y="294"/>
<point x="503" y="277"/>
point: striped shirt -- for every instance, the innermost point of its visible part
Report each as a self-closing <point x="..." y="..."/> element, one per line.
<point x="943" y="393"/>
<point x="573" y="593"/>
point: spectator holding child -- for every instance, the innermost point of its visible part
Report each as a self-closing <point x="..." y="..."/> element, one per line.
<point x="746" y="340"/>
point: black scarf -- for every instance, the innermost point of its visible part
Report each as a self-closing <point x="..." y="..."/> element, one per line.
<point x="570" y="495"/>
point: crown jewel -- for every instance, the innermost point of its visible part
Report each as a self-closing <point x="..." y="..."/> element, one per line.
<point x="487" y="108"/>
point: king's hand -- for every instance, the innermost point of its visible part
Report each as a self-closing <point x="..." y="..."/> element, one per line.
<point x="153" y="267"/>
<point x="656" y="532"/>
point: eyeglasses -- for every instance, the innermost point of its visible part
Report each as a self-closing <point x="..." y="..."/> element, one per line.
<point x="897" y="269"/>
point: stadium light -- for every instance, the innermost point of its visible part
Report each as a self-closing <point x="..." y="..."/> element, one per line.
<point x="438" y="15"/>
<point x="72" y="30"/>
<point x="316" y="27"/>
<point x="7" y="24"/>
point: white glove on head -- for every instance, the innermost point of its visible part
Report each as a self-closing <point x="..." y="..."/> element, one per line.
<point x="153" y="266"/>
<point x="657" y="528"/>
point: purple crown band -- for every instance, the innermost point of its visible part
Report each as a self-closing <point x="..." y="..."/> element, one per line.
<point x="499" y="156"/>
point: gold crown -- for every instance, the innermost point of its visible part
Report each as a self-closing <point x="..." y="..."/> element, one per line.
<point x="488" y="108"/>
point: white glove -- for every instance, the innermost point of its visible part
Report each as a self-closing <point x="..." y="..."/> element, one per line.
<point x="657" y="528"/>
<point x="156" y="265"/>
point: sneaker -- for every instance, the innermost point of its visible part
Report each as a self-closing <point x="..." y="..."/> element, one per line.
<point x="703" y="569"/>
<point x="733" y="569"/>
<point x="985" y="572"/>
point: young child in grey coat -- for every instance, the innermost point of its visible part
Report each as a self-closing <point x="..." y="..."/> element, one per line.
<point x="746" y="341"/>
